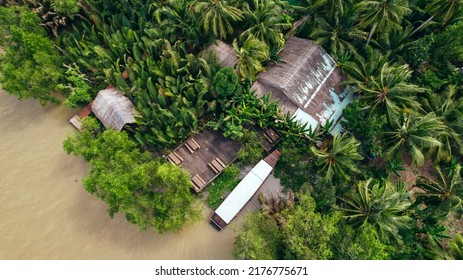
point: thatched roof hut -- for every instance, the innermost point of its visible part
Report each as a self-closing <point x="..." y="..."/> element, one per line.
<point x="225" y="54"/>
<point x="113" y="109"/>
<point x="306" y="83"/>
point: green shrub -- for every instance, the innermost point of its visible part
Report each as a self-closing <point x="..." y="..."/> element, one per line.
<point x="226" y="181"/>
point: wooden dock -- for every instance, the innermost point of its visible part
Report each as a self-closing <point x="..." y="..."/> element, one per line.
<point x="76" y="120"/>
<point x="204" y="156"/>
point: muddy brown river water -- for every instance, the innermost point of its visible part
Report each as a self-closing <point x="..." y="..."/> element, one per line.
<point x="45" y="213"/>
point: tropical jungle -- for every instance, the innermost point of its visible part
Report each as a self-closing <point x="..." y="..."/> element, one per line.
<point x="388" y="187"/>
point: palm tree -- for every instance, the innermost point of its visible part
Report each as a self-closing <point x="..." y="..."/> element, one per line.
<point x="381" y="204"/>
<point x="218" y="15"/>
<point x="382" y="15"/>
<point x="177" y="19"/>
<point x="332" y="6"/>
<point x="446" y="104"/>
<point x="441" y="9"/>
<point x="250" y="56"/>
<point x="340" y="159"/>
<point x="395" y="43"/>
<point x="456" y="247"/>
<point x="415" y="135"/>
<point x="267" y="21"/>
<point x="337" y="33"/>
<point x="389" y="92"/>
<point x="444" y="194"/>
<point x="360" y="71"/>
<point x="450" y="109"/>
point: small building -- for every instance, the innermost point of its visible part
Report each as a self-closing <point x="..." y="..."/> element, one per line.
<point x="244" y="191"/>
<point x="204" y="156"/>
<point x="113" y="109"/>
<point x="307" y="83"/>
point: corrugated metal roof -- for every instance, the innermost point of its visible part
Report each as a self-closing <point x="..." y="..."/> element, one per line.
<point x="225" y="54"/>
<point x="113" y="109"/>
<point x="307" y="80"/>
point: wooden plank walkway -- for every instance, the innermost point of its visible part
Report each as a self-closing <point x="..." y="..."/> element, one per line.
<point x="76" y="120"/>
<point x="205" y="156"/>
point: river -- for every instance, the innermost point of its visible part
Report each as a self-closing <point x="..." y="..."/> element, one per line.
<point x="46" y="213"/>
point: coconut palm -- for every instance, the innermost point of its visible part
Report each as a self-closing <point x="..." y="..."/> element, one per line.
<point x="332" y="6"/>
<point x="389" y="93"/>
<point x="267" y="21"/>
<point x="218" y="16"/>
<point x="176" y="18"/>
<point x="450" y="108"/>
<point x="250" y="56"/>
<point x="381" y="204"/>
<point x="444" y="194"/>
<point x="337" y="33"/>
<point x="382" y="15"/>
<point x="360" y="70"/>
<point x="395" y="43"/>
<point x="415" y="135"/>
<point x="456" y="247"/>
<point x="442" y="10"/>
<point x="339" y="160"/>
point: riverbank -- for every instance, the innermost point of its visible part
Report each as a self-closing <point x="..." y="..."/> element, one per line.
<point x="47" y="214"/>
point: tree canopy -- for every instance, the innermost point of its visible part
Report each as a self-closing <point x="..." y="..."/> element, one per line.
<point x="30" y="66"/>
<point x="150" y="193"/>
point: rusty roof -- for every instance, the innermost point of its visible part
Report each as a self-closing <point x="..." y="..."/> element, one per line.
<point x="225" y="54"/>
<point x="306" y="83"/>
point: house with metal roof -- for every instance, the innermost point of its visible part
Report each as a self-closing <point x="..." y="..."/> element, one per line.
<point x="113" y="108"/>
<point x="306" y="83"/>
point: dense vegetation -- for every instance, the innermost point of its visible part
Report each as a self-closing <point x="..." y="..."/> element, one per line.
<point x="345" y="196"/>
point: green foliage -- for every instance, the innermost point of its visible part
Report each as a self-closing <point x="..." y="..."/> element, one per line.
<point x="149" y="193"/>
<point x="307" y="234"/>
<point x="225" y="182"/>
<point x="259" y="239"/>
<point x="364" y="126"/>
<point x="225" y="85"/>
<point x="252" y="151"/>
<point x="361" y="244"/>
<point x="448" y="106"/>
<point x="30" y="66"/>
<point x="251" y="53"/>
<point x="294" y="168"/>
<point x="430" y="80"/>
<point x="246" y="109"/>
<point x="78" y="91"/>
<point x="426" y="236"/>
<point x="337" y="34"/>
<point x="444" y="10"/>
<point x="78" y="143"/>
<point x="415" y="135"/>
<point x="383" y="15"/>
<point x="447" y="46"/>
<point x="390" y="93"/>
<point x="340" y="159"/>
<point x="419" y="51"/>
<point x="456" y="247"/>
<point x="266" y="20"/>
<point x="381" y="204"/>
<point x="218" y="16"/>
<point x="442" y="196"/>
<point x="66" y="7"/>
<point x="225" y="82"/>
